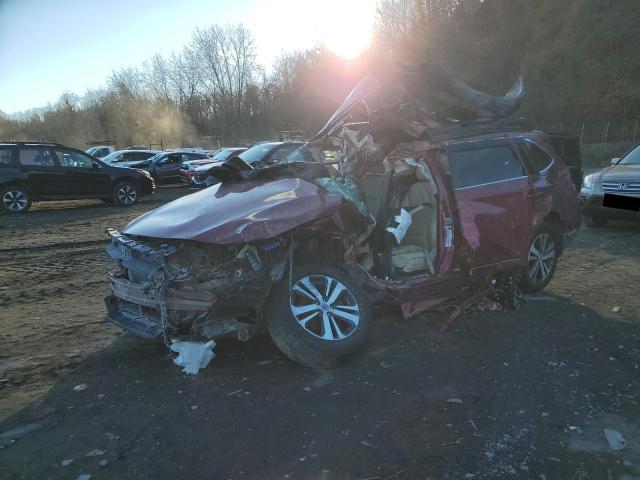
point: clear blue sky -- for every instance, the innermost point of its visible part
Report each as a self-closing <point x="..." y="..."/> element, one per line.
<point x="48" y="47"/>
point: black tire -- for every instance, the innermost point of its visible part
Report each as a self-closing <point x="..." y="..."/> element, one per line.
<point x="15" y="198"/>
<point x="126" y="194"/>
<point x="305" y="345"/>
<point x="532" y="279"/>
<point x="595" y="221"/>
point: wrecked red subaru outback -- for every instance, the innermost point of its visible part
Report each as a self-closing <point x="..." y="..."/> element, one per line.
<point x="431" y="199"/>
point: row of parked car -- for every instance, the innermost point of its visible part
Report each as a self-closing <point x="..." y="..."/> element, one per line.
<point x="38" y="171"/>
<point x="47" y="171"/>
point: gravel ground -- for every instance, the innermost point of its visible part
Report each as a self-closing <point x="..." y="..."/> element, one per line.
<point x="530" y="398"/>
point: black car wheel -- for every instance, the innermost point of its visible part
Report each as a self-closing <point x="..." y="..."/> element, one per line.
<point x="15" y="199"/>
<point x="324" y="318"/>
<point x="544" y="252"/>
<point x="125" y="194"/>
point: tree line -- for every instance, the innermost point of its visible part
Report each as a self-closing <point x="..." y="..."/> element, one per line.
<point x="576" y="56"/>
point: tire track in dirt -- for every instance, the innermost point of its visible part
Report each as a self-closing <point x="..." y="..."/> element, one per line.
<point x="35" y="275"/>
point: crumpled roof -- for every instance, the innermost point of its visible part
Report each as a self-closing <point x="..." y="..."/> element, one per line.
<point x="424" y="96"/>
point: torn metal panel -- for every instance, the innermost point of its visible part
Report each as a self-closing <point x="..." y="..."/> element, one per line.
<point x="433" y="94"/>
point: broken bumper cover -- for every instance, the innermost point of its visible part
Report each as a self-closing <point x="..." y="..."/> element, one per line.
<point x="124" y="306"/>
<point x="132" y="322"/>
<point x="185" y="300"/>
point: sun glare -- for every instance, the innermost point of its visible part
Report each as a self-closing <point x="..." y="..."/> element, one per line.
<point x="349" y="39"/>
<point x="347" y="30"/>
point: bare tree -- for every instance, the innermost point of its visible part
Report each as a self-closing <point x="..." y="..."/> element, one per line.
<point x="227" y="57"/>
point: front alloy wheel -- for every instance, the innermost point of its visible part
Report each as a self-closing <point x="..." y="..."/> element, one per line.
<point x="324" y="307"/>
<point x="125" y="194"/>
<point x="319" y="318"/>
<point x="15" y="199"/>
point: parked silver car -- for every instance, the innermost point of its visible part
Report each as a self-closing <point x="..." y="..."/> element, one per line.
<point x="617" y="184"/>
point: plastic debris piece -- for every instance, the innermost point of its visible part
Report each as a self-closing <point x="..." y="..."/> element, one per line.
<point x="616" y="309"/>
<point x="103" y="463"/>
<point x="192" y="356"/>
<point x="84" y="476"/>
<point x="454" y="400"/>
<point x="615" y="439"/>
<point x="404" y="222"/>
<point x="79" y="388"/>
<point x="66" y="462"/>
<point x="96" y="452"/>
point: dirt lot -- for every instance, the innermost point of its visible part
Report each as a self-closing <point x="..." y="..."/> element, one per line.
<point x="528" y="399"/>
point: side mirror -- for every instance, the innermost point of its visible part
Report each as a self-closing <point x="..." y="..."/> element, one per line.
<point x="615" y="160"/>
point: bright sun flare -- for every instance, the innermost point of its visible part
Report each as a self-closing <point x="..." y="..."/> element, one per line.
<point x="347" y="30"/>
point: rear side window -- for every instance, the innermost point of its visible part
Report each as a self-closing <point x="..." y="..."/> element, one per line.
<point x="469" y="168"/>
<point x="537" y="158"/>
<point x="141" y="155"/>
<point x="71" y="159"/>
<point x="40" y="157"/>
<point x="5" y="156"/>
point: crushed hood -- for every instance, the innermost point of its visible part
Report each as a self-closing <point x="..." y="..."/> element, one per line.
<point x="238" y="212"/>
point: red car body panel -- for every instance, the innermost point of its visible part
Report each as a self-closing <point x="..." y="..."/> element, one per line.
<point x="238" y="212"/>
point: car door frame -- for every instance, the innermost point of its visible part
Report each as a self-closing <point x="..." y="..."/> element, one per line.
<point x="94" y="182"/>
<point x="45" y="181"/>
<point x="164" y="174"/>
<point x="494" y="218"/>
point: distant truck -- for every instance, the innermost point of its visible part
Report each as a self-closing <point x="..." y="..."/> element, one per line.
<point x="100" y="151"/>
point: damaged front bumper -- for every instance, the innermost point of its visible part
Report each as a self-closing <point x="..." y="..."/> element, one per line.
<point x="131" y="321"/>
<point x="132" y="306"/>
<point x="180" y="289"/>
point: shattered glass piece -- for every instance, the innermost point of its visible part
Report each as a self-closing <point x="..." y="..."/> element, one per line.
<point x="192" y="356"/>
<point x="348" y="191"/>
<point x="404" y="222"/>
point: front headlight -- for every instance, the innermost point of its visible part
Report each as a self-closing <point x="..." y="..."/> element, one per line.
<point x="588" y="181"/>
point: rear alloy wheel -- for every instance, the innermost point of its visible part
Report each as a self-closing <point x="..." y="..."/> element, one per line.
<point x="324" y="318"/>
<point x="544" y="252"/>
<point x="125" y="194"/>
<point x="15" y="199"/>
